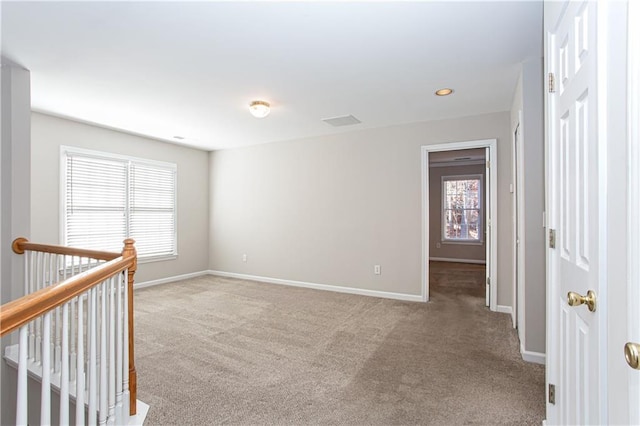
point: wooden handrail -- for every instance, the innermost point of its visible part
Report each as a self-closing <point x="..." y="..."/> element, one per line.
<point x="18" y="312"/>
<point x="19" y="246"/>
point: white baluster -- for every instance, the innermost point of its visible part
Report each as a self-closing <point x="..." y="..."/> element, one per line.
<point x="73" y="326"/>
<point x="64" y="368"/>
<point x="112" y="353"/>
<point x="102" y="418"/>
<point x="80" y="368"/>
<point x="93" y="377"/>
<point x="57" y="327"/>
<point x="125" y="352"/>
<point x="119" y="324"/>
<point x="30" y="289"/>
<point x="45" y="398"/>
<point x="21" y="408"/>
<point x="38" y="321"/>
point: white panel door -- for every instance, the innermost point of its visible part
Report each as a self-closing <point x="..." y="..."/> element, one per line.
<point x="575" y="176"/>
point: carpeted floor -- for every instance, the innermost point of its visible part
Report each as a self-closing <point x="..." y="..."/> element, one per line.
<point x="216" y="350"/>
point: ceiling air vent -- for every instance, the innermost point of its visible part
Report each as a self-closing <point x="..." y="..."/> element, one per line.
<point x="345" y="120"/>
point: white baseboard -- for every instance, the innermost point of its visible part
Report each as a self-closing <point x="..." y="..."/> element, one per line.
<point x="535" y="357"/>
<point x="325" y="287"/>
<point x="144" y="284"/>
<point x="504" y="309"/>
<point x="450" y="259"/>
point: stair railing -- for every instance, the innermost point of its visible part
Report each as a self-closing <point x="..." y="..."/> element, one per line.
<point x="76" y="332"/>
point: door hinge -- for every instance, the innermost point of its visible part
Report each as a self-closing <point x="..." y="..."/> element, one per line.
<point x="552" y="394"/>
<point x="552" y="83"/>
<point x="488" y="280"/>
<point x="552" y="238"/>
<point x="488" y="164"/>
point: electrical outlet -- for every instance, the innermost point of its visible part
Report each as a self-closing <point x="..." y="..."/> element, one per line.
<point x="376" y="269"/>
<point x="244" y="257"/>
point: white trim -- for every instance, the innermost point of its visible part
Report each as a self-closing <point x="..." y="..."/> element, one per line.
<point x="137" y="286"/>
<point x="424" y="181"/>
<point x="104" y="155"/>
<point x="324" y="287"/>
<point x="633" y="147"/>
<point x="451" y="259"/>
<point x="504" y="309"/>
<point x="530" y="356"/>
<point x="491" y="211"/>
<point x="519" y="222"/>
<point x="551" y="316"/>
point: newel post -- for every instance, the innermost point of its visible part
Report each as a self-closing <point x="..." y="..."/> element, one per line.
<point x="130" y="250"/>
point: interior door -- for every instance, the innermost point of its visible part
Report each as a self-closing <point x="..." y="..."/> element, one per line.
<point x="575" y="178"/>
<point x="487" y="234"/>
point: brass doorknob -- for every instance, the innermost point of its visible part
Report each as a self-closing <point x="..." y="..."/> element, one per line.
<point x="632" y="355"/>
<point x="574" y="299"/>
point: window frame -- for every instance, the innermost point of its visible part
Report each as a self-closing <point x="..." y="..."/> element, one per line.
<point x="463" y="241"/>
<point x="102" y="155"/>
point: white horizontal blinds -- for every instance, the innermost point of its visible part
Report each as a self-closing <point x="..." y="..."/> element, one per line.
<point x="109" y="198"/>
<point x="96" y="201"/>
<point x="152" y="209"/>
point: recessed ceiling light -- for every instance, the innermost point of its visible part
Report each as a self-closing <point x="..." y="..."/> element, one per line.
<point x="259" y="109"/>
<point x="444" y="92"/>
<point x="179" y="137"/>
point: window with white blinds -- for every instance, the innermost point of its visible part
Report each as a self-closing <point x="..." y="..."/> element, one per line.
<point x="107" y="198"/>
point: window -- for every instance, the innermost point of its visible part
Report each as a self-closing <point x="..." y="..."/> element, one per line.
<point x="107" y="198"/>
<point x="462" y="202"/>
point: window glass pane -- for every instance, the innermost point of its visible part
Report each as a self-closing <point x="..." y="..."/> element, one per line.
<point x="461" y="209"/>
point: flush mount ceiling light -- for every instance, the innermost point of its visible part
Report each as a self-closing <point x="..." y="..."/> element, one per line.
<point x="444" y="92"/>
<point x="259" y="109"/>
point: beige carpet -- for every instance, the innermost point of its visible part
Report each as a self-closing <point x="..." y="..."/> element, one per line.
<point x="224" y="351"/>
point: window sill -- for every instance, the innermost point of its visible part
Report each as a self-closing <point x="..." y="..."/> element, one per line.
<point x="161" y="258"/>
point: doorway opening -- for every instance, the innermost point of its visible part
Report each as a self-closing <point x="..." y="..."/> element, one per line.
<point x="457" y="222"/>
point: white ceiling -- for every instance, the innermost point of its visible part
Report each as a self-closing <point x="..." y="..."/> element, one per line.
<point x="166" y="69"/>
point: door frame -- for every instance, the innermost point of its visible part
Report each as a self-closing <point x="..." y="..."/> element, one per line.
<point x="518" y="229"/>
<point x="491" y="211"/>
<point x="633" y="150"/>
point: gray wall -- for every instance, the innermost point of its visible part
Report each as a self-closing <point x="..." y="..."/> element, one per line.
<point x="14" y="195"/>
<point x="49" y="133"/>
<point x="326" y="209"/>
<point x="528" y="98"/>
<point x="452" y="250"/>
